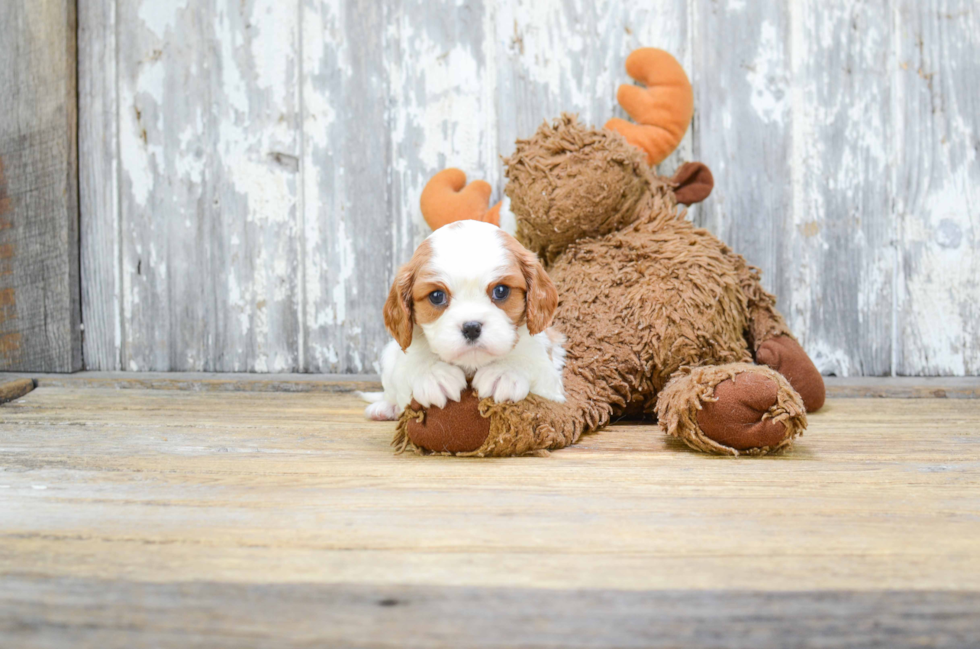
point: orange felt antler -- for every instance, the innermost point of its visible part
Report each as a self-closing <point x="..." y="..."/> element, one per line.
<point x="444" y="200"/>
<point x="663" y="109"/>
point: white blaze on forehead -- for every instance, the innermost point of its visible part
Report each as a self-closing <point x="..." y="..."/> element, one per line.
<point x="469" y="257"/>
<point x="468" y="252"/>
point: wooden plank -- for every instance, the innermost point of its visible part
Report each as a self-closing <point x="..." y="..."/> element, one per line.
<point x="347" y="226"/>
<point x="839" y="278"/>
<point x="98" y="172"/>
<point x="937" y="187"/>
<point x="153" y="518"/>
<point x="744" y="132"/>
<point x="895" y="387"/>
<point x="15" y="389"/>
<point x="93" y="612"/>
<point x="40" y="313"/>
<point x="170" y="486"/>
<point x="206" y="381"/>
<point x="903" y="387"/>
<point x="208" y="114"/>
<point x="162" y="93"/>
<point x="254" y="186"/>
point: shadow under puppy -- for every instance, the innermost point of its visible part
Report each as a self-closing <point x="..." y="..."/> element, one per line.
<point x="472" y="306"/>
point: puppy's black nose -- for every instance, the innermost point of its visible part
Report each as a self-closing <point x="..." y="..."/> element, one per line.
<point x="471" y="330"/>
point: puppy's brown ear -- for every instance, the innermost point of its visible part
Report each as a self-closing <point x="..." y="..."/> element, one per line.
<point x="398" y="307"/>
<point x="542" y="296"/>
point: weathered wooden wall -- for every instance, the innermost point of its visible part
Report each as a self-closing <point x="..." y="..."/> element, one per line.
<point x="250" y="169"/>
<point x="40" y="308"/>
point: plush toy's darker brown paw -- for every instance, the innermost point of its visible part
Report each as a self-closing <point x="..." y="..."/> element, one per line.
<point x="738" y="417"/>
<point x="785" y="355"/>
<point x="456" y="428"/>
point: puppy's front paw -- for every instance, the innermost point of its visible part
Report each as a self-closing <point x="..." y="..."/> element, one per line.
<point x="503" y="384"/>
<point x="382" y="411"/>
<point x="443" y="381"/>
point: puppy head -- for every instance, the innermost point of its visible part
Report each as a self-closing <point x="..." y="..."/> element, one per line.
<point x="470" y="287"/>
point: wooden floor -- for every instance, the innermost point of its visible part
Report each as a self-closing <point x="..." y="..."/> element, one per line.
<point x="144" y="517"/>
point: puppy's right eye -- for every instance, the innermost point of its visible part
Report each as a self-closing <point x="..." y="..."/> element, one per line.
<point x="501" y="292"/>
<point x="437" y="298"/>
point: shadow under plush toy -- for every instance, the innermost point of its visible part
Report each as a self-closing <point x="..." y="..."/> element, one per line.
<point x="661" y="318"/>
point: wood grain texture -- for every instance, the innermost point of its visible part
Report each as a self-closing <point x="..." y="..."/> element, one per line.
<point x="221" y="382"/>
<point x="208" y="139"/>
<point x="39" y="612"/>
<point x="98" y="180"/>
<point x="744" y="131"/>
<point x="937" y="187"/>
<point x="261" y="220"/>
<point x="347" y="234"/>
<point x="174" y="486"/>
<point x="40" y="311"/>
<point x="840" y="237"/>
<point x="158" y="517"/>
<point x="15" y="389"/>
<point x="895" y="387"/>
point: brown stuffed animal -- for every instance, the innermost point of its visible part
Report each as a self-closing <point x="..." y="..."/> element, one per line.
<point x="661" y="318"/>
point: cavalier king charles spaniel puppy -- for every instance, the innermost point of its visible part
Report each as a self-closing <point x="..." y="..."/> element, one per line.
<point x="472" y="306"/>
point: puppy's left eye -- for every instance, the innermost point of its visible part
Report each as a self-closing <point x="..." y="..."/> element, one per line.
<point x="501" y="292"/>
<point x="437" y="298"/>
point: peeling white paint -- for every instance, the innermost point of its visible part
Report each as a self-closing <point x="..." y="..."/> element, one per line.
<point x="233" y="86"/>
<point x="344" y="272"/>
<point x="766" y="77"/>
<point x="273" y="47"/>
<point x="232" y="164"/>
<point x="160" y="15"/>
<point x="943" y="248"/>
<point x="549" y="43"/>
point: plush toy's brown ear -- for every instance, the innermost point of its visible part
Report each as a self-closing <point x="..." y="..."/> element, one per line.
<point x="693" y="183"/>
<point x="398" y="308"/>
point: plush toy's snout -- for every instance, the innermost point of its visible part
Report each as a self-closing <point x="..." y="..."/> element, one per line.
<point x="456" y="428"/>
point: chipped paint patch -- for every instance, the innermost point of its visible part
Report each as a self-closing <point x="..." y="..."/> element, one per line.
<point x="810" y="229"/>
<point x="160" y="15"/>
<point x="942" y="267"/>
<point x="767" y="77"/>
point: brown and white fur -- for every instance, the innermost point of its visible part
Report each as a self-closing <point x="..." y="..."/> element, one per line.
<point x="472" y="305"/>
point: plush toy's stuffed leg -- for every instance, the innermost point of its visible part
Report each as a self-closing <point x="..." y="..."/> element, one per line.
<point x="773" y="344"/>
<point x="484" y="428"/>
<point x="787" y="357"/>
<point x="732" y="409"/>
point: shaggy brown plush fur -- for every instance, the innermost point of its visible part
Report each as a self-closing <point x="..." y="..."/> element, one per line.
<point x="657" y="313"/>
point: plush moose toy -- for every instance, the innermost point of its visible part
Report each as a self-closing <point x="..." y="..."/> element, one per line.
<point x="662" y="319"/>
